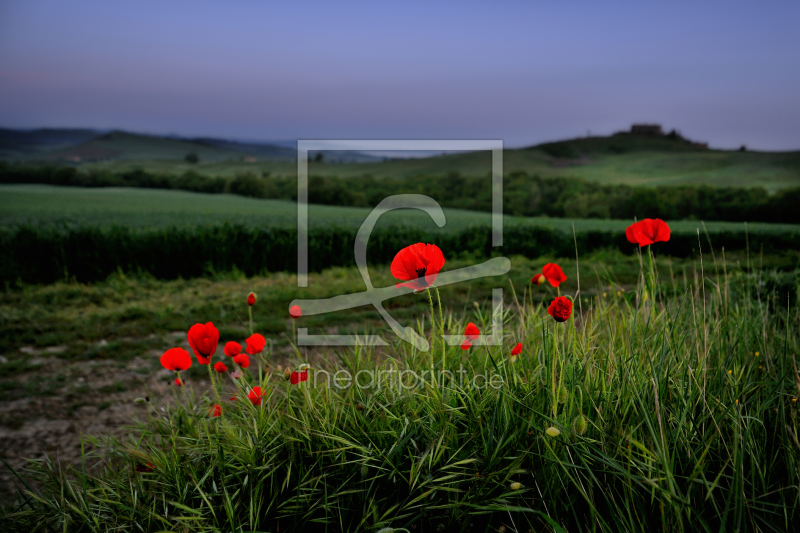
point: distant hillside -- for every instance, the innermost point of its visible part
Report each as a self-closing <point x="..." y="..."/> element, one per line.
<point x="622" y="158"/>
<point x="23" y="143"/>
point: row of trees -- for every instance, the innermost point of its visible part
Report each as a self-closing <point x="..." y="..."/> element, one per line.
<point x="524" y="195"/>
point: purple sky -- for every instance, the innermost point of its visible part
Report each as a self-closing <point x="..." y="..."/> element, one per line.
<point x="525" y="72"/>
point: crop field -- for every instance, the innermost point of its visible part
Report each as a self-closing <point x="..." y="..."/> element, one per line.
<point x="148" y="208"/>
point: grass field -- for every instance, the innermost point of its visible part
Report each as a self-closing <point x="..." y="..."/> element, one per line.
<point x="148" y="208"/>
<point x="673" y="413"/>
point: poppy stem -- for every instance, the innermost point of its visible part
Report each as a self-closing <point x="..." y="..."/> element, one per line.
<point x="250" y="312"/>
<point x="433" y="334"/>
<point x="441" y="328"/>
<point x="555" y="362"/>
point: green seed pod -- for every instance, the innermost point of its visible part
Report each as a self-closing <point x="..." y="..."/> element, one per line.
<point x="552" y="432"/>
<point x="516" y="485"/>
<point x="364" y="471"/>
<point x="563" y="394"/>
<point x="579" y="425"/>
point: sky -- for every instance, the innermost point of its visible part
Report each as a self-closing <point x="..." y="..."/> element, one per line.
<point x="726" y="73"/>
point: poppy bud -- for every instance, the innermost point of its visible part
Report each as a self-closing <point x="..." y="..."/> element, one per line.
<point x="178" y="382"/>
<point x="360" y="407"/>
<point x="579" y="425"/>
<point x="364" y="470"/>
<point x="287" y="373"/>
<point x="552" y="432"/>
<point x="563" y="394"/>
<point x="251" y="299"/>
<point x="516" y="485"/>
<point x="295" y="311"/>
<point x="538" y="279"/>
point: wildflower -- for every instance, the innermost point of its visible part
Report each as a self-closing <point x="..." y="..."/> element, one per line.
<point x="552" y="432"/>
<point x="418" y="265"/>
<point x="232" y="348"/>
<point x="232" y="398"/>
<point x="538" y="279"/>
<point x="220" y="367"/>
<point x="215" y="411"/>
<point x="255" y="395"/>
<point x="756" y="354"/>
<point x="730" y="371"/>
<point x="472" y="333"/>
<point x="178" y="382"/>
<point x="236" y="373"/>
<point x="517" y="349"/>
<point x="176" y="359"/>
<point x="297" y="377"/>
<point x="560" y="309"/>
<point x="251" y="299"/>
<point x="648" y="231"/>
<point x="255" y="343"/>
<point x="516" y="485"/>
<point x="295" y="311"/>
<point x="554" y="274"/>
<point x="203" y="339"/>
<point x="243" y="360"/>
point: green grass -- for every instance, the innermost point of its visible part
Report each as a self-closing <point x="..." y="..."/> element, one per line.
<point x="687" y="398"/>
<point x="152" y="208"/>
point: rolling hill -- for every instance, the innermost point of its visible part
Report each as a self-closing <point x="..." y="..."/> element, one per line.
<point x="622" y="158"/>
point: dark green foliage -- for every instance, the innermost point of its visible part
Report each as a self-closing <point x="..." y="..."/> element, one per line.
<point x="47" y="253"/>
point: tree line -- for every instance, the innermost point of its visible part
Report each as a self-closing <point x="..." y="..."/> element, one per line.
<point x="524" y="195"/>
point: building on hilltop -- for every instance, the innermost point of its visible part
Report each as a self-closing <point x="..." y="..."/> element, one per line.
<point x="646" y="129"/>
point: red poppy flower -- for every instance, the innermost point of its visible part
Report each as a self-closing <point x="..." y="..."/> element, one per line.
<point x="297" y="377"/>
<point x="243" y="360"/>
<point x="472" y="333"/>
<point x="147" y="467"/>
<point x="418" y="265"/>
<point x="255" y="395"/>
<point x="648" y="231"/>
<point x="251" y="299"/>
<point x="178" y="382"/>
<point x="232" y="348"/>
<point x="220" y="367"/>
<point x="295" y="311"/>
<point x="538" y="279"/>
<point x="203" y="338"/>
<point x="176" y="359"/>
<point x="232" y="398"/>
<point x="560" y="309"/>
<point x="255" y="343"/>
<point x="215" y="411"/>
<point x="517" y="349"/>
<point x="554" y="274"/>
